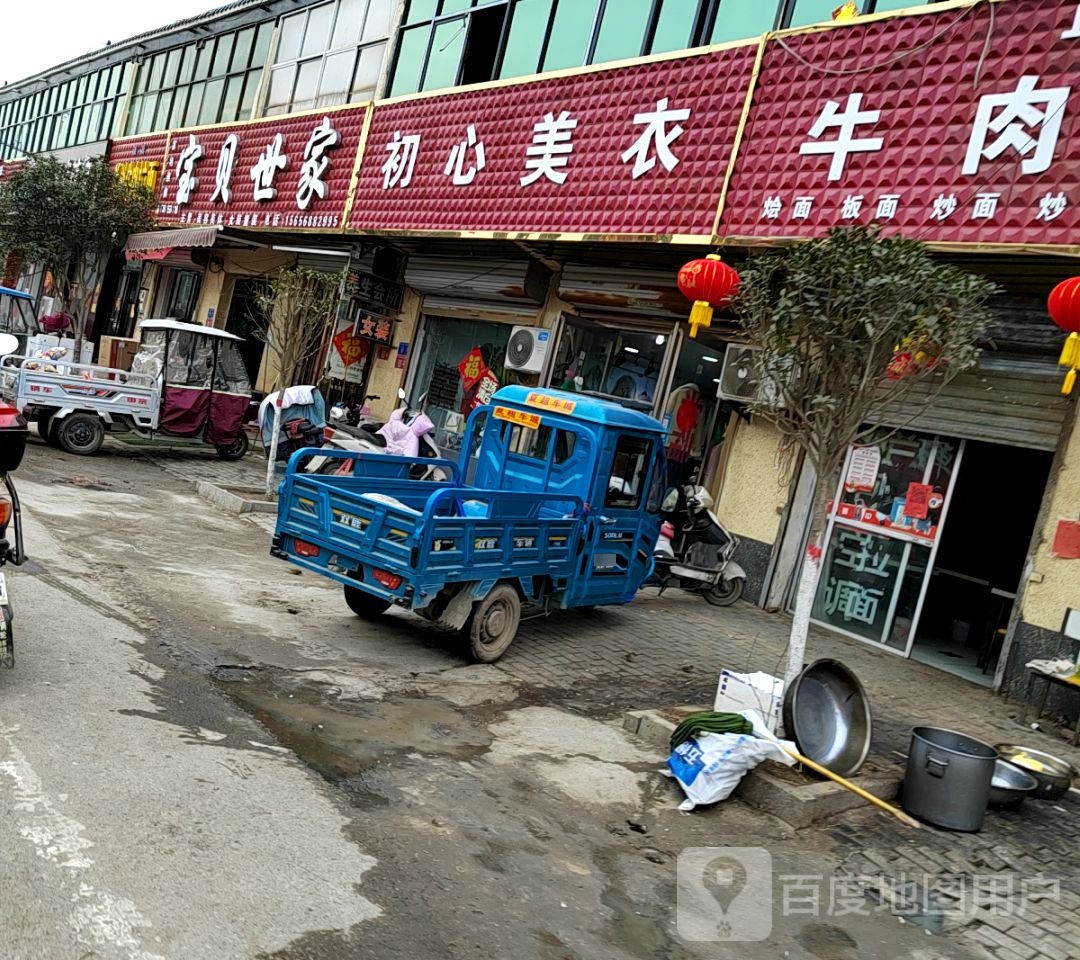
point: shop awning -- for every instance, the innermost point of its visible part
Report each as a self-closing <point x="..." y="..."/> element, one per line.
<point x="157" y="244"/>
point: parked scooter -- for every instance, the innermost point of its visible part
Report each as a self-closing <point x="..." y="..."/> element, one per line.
<point x="407" y="433"/>
<point x="13" y="433"/>
<point x="694" y="551"/>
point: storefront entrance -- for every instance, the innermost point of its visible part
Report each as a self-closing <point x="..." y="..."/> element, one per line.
<point x="926" y="547"/>
<point x="460" y="364"/>
<point x="980" y="560"/>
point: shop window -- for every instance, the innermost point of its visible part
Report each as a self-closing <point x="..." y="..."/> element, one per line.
<point x="525" y="40"/>
<point x="623" y="28"/>
<point x="328" y="55"/>
<point x="739" y="19"/>
<point x="675" y="25"/>
<point x="571" y="32"/>
<point x="628" y="472"/>
<point x="444" y="58"/>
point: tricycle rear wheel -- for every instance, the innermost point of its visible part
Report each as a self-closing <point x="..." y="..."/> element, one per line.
<point x="365" y="605"/>
<point x="81" y="434"/>
<point x="493" y="624"/>
<point x="236" y="450"/>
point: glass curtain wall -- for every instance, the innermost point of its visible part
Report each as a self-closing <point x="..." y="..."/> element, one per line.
<point x="443" y="43"/>
<point x="210" y="81"/>
<point x="82" y="110"/>
<point x="329" y="54"/>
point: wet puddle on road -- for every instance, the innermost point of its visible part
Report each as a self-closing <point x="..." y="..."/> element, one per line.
<point x="348" y="742"/>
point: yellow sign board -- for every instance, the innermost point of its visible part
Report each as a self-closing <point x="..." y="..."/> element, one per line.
<point x="139" y="172"/>
<point x="530" y="421"/>
<point x="547" y="402"/>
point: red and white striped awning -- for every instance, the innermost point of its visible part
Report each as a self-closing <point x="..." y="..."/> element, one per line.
<point x="157" y="244"/>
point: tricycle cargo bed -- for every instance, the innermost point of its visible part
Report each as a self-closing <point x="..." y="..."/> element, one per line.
<point x="427" y="533"/>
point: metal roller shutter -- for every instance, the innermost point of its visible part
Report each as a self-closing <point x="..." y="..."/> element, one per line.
<point x="1013" y="402"/>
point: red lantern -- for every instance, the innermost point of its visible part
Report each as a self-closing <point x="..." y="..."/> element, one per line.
<point x="1064" y="308"/>
<point x="710" y="283"/>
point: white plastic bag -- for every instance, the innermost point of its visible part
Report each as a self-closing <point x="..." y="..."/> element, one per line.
<point x="710" y="765"/>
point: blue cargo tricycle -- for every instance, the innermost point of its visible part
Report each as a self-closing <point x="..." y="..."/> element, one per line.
<point x="554" y="503"/>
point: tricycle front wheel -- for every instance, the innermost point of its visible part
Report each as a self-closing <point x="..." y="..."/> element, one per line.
<point x="365" y="605"/>
<point x="493" y="624"/>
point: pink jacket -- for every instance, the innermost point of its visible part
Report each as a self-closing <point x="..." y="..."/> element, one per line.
<point x="403" y="439"/>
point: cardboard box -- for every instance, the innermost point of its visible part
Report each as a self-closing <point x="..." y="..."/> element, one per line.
<point x="751" y="691"/>
<point x="117" y="352"/>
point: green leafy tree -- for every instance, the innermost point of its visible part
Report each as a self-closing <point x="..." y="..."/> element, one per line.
<point x="69" y="217"/>
<point x="298" y="306"/>
<point x="852" y="329"/>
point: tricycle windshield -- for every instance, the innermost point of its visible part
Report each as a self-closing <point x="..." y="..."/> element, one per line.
<point x="231" y="375"/>
<point x="190" y="360"/>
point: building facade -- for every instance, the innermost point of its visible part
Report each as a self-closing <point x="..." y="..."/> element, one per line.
<point x="513" y="185"/>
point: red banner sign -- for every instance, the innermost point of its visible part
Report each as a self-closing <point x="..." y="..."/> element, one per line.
<point x="288" y="173"/>
<point x="959" y="126"/>
<point x="639" y="150"/>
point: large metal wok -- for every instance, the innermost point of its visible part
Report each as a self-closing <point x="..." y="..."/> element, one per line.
<point x="827" y="714"/>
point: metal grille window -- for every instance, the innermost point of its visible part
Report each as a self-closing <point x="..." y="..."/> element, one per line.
<point x="329" y="54"/>
<point x="211" y="81"/>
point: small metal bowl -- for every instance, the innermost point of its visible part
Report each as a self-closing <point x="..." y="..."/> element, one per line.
<point x="1010" y="785"/>
<point x="1052" y="781"/>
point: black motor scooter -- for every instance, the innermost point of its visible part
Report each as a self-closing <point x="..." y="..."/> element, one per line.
<point x="694" y="551"/>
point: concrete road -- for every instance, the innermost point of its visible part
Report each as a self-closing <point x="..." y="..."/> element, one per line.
<point x="204" y="755"/>
<point x="141" y="815"/>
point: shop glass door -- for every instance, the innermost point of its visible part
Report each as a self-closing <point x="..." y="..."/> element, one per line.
<point x="460" y="364"/>
<point x="882" y="537"/>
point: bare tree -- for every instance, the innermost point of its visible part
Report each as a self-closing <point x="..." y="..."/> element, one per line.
<point x="851" y="328"/>
<point x="298" y="306"/>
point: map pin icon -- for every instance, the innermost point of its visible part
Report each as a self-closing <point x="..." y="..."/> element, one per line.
<point x="725" y="879"/>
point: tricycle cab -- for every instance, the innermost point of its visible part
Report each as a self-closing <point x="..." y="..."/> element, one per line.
<point x="594" y="451"/>
<point x="205" y="390"/>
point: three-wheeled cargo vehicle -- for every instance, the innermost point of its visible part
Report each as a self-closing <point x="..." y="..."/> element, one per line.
<point x="555" y="503"/>
<point x="187" y="382"/>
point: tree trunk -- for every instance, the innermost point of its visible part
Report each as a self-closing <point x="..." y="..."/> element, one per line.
<point x="271" y="457"/>
<point x="808" y="581"/>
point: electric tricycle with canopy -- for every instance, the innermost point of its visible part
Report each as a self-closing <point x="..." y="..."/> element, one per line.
<point x="554" y="503"/>
<point x="187" y="383"/>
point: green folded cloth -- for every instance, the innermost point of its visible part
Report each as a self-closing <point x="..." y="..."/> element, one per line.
<point x="709" y="722"/>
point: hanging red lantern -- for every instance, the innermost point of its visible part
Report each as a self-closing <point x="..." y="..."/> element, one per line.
<point x="709" y="283"/>
<point x="1063" y="305"/>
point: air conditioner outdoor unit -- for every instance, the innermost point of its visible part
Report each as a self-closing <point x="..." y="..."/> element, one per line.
<point x="744" y="378"/>
<point x="527" y="349"/>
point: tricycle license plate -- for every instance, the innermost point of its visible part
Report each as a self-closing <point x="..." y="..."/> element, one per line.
<point x="3" y="591"/>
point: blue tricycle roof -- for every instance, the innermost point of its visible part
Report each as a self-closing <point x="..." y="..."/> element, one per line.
<point x="605" y="412"/>
<point x="21" y="294"/>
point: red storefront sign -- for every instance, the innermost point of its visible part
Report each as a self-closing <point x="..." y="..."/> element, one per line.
<point x="639" y="150"/>
<point x="959" y="126"/>
<point x="288" y="173"/>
